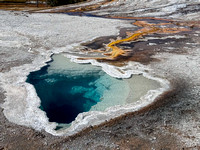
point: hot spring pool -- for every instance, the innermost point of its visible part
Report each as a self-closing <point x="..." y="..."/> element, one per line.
<point x="66" y="89"/>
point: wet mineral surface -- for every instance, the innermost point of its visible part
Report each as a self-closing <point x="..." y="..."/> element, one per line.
<point x="171" y="122"/>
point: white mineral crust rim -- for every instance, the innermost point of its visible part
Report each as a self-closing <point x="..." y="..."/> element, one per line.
<point x="22" y="98"/>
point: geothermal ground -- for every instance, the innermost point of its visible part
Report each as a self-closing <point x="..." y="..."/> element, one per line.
<point x="158" y="39"/>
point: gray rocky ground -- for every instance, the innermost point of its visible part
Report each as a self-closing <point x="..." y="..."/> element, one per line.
<point x="172" y="122"/>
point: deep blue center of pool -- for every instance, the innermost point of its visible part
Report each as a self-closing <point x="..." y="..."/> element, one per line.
<point x="67" y="89"/>
<point x="64" y="96"/>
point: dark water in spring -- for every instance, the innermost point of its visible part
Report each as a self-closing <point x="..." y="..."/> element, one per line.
<point x="69" y="90"/>
<point x="66" y="89"/>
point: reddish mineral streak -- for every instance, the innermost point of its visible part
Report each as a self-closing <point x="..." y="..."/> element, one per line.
<point x="113" y="51"/>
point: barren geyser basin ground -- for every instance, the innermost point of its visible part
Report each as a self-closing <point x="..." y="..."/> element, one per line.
<point x="28" y="112"/>
<point x="106" y="78"/>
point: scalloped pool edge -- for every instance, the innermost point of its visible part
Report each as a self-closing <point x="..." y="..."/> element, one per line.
<point x="21" y="104"/>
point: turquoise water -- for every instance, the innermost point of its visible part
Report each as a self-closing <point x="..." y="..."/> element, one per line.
<point x="67" y="89"/>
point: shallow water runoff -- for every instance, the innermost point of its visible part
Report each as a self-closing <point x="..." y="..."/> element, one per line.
<point x="66" y="89"/>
